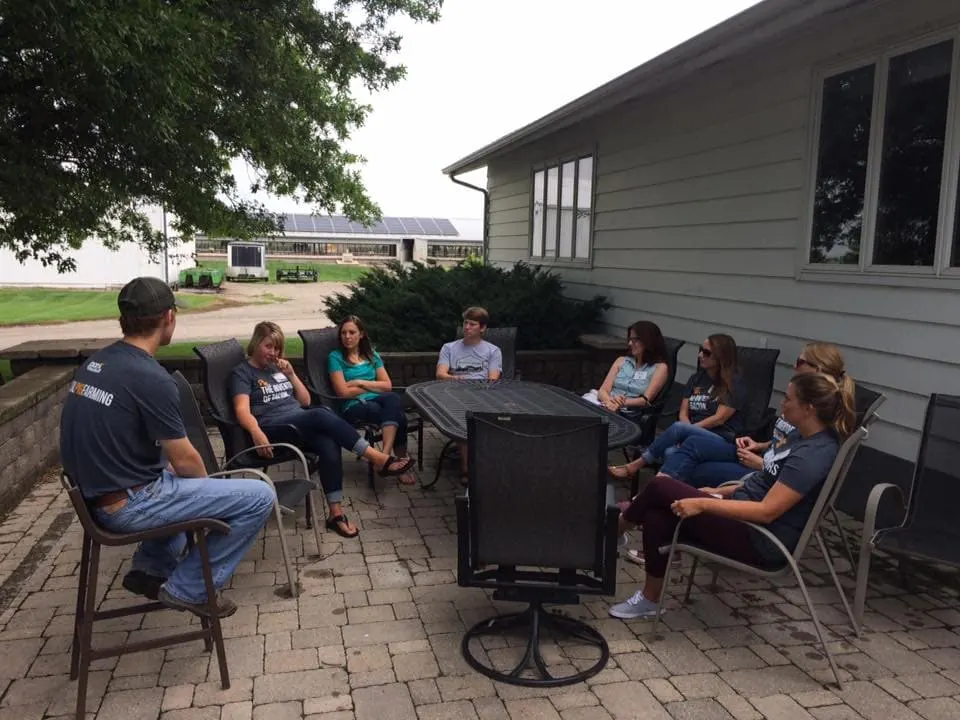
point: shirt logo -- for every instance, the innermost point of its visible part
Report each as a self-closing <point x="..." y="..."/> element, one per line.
<point x="90" y="392"/>
<point x="94" y="367"/>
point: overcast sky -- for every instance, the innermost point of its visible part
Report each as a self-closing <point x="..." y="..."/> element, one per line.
<point x="491" y="66"/>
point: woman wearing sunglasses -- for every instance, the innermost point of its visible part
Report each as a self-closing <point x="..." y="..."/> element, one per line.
<point x="708" y="412"/>
<point x="816" y="357"/>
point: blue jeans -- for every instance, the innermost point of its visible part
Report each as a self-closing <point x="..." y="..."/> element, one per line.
<point x="384" y="410"/>
<point x="323" y="433"/>
<point x="244" y="504"/>
<point x="683" y="446"/>
<point x="714" y="474"/>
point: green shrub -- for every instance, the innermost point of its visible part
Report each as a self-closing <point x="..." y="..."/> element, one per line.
<point x="418" y="308"/>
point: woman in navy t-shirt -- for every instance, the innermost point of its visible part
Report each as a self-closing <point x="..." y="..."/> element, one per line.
<point x="709" y="412"/>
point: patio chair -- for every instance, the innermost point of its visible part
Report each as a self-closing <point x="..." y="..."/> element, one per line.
<point x="95" y="537"/>
<point x="317" y="346"/>
<point x="791" y="564"/>
<point x="293" y="491"/>
<point x="504" y="338"/>
<point x="218" y="361"/>
<point x="535" y="528"/>
<point x="929" y="531"/>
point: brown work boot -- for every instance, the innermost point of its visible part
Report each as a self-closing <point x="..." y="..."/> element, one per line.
<point x="225" y="606"/>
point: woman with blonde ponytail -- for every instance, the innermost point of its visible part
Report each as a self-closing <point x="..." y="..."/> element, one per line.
<point x="779" y="497"/>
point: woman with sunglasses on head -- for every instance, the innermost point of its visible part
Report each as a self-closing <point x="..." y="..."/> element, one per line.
<point x="712" y="471"/>
<point x="358" y="376"/>
<point x="635" y="380"/>
<point x="780" y="497"/>
<point x="268" y="397"/>
<point x="708" y="411"/>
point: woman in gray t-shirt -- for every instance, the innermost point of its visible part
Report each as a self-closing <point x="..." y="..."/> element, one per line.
<point x="780" y="496"/>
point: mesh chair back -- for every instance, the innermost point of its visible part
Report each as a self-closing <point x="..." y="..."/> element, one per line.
<point x="867" y="403"/>
<point x="831" y="487"/>
<point x="537" y="490"/>
<point x="504" y="338"/>
<point x="672" y="346"/>
<point x="935" y="492"/>
<point x="317" y="346"/>
<point x="757" y="367"/>
<point x="193" y="421"/>
<point x="218" y="361"/>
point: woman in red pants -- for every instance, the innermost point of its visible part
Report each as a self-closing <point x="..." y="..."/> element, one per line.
<point x="781" y="496"/>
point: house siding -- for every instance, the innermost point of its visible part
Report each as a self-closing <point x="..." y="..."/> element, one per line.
<point x="701" y="201"/>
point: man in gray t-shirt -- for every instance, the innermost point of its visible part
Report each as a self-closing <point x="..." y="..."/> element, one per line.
<point x="471" y="358"/>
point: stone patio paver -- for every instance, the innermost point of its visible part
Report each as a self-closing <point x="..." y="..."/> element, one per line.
<point x="376" y="634"/>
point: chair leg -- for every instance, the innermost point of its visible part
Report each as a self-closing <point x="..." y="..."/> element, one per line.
<point x="86" y="629"/>
<point x="666" y="585"/>
<point x="81" y="604"/>
<point x="215" y="628"/>
<point x="420" y="445"/>
<point x="843" y="536"/>
<point x="825" y="551"/>
<point x="816" y="620"/>
<point x="443" y="455"/>
<point x="312" y="520"/>
<point x="693" y="571"/>
<point x="293" y="584"/>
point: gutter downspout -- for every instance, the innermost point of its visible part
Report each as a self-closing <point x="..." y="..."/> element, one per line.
<point x="486" y="214"/>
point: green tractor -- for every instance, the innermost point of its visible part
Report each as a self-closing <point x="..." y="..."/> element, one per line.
<point x="298" y="274"/>
<point x="201" y="278"/>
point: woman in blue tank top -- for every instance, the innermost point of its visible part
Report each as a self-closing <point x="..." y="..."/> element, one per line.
<point x="635" y="380"/>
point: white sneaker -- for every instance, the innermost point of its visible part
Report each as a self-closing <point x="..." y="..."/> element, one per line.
<point x="635" y="608"/>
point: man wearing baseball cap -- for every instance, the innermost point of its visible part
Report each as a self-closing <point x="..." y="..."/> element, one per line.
<point x="123" y="442"/>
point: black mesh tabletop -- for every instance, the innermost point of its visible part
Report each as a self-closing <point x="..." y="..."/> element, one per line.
<point x="446" y="402"/>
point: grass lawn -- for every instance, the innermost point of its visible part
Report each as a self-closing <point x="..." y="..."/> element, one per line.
<point x="328" y="272"/>
<point x="293" y="348"/>
<point x="29" y="306"/>
<point x="5" y="371"/>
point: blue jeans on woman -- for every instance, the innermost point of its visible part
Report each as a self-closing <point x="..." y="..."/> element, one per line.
<point x="385" y="410"/>
<point x="242" y="503"/>
<point x="683" y="446"/>
<point x="323" y="433"/>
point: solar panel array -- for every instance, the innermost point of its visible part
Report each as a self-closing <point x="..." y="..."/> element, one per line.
<point x="339" y="225"/>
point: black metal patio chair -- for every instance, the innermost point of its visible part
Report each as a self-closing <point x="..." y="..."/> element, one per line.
<point x="929" y="532"/>
<point x="535" y="528"/>
<point x="293" y="491"/>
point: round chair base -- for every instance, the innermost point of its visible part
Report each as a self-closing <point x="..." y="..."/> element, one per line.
<point x="535" y="620"/>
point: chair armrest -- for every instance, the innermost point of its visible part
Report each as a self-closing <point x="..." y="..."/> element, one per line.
<point x="873" y="508"/>
<point x="788" y="556"/>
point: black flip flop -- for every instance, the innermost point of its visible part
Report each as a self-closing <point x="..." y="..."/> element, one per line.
<point x="385" y="471"/>
<point x="334" y="524"/>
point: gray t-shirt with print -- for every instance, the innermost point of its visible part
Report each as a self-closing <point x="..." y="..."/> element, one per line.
<point x="272" y="399"/>
<point x="802" y="465"/>
<point x="471" y="362"/>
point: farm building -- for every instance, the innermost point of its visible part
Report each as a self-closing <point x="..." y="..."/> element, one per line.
<point x="330" y="238"/>
<point x="98" y="266"/>
<point x="790" y="174"/>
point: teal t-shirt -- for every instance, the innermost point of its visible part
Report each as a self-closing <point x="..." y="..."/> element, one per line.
<point x="364" y="370"/>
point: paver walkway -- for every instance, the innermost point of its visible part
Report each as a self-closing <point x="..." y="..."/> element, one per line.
<point x="375" y="636"/>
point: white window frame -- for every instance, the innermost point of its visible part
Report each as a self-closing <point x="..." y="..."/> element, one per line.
<point x="866" y="271"/>
<point x="558" y="163"/>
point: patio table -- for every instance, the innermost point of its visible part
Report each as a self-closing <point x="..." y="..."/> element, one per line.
<point x="445" y="403"/>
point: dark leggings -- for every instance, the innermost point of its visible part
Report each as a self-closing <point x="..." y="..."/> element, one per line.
<point x="384" y="410"/>
<point x="323" y="433"/>
<point x="651" y="510"/>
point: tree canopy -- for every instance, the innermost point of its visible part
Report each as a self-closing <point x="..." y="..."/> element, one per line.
<point x="106" y="106"/>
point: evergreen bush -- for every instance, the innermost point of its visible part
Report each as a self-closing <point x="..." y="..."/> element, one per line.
<point x="418" y="308"/>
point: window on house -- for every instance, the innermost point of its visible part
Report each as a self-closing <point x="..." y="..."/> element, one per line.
<point x="561" y="222"/>
<point x="883" y="132"/>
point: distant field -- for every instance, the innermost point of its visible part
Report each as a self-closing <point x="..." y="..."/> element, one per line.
<point x="328" y="272"/>
<point x="293" y="348"/>
<point x="32" y="306"/>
